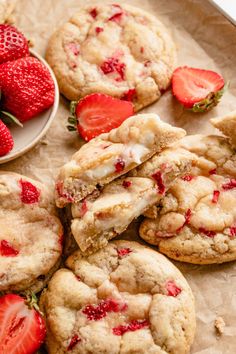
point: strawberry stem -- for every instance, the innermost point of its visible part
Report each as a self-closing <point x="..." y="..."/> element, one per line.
<point x="211" y="100"/>
<point x="32" y="302"/>
<point x="72" y="120"/>
<point x="9" y="118"/>
<point x="73" y="105"/>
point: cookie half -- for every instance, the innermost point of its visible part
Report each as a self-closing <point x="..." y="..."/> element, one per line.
<point x="31" y="234"/>
<point x="99" y="218"/>
<point x="113" y="154"/>
<point x="118" y="50"/>
<point x="196" y="221"/>
<point x="126" y="298"/>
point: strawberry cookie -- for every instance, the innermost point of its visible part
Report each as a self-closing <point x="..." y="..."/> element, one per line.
<point x="30" y="237"/>
<point x="125" y="298"/>
<point x="114" y="49"/>
<point x="196" y="220"/>
<point x="113" y="154"/>
<point x="98" y="219"/>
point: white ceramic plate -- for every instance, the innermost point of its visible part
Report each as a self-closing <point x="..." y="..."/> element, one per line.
<point x="27" y="137"/>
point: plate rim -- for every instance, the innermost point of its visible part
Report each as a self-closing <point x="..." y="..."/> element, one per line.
<point x="54" y="109"/>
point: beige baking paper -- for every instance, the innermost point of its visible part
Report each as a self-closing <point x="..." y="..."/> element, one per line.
<point x="204" y="39"/>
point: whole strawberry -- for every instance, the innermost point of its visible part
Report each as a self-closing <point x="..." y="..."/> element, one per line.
<point x="13" y="44"/>
<point x="26" y="87"/>
<point x="6" y="141"/>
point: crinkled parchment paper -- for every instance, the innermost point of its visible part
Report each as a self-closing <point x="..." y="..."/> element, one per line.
<point x="204" y="39"/>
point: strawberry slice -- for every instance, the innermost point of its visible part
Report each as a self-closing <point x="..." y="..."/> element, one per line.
<point x="22" y="330"/>
<point x="197" y="89"/>
<point x="98" y="113"/>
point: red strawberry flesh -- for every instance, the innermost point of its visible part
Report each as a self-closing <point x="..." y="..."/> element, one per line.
<point x="191" y="85"/>
<point x="97" y="312"/>
<point x="22" y="330"/>
<point x="215" y="197"/>
<point x="123" y="252"/>
<point x="74" y="340"/>
<point x="29" y="193"/>
<point x="157" y="176"/>
<point x="229" y="185"/>
<point x="126" y="184"/>
<point x="7" y="250"/>
<point x="232" y="231"/>
<point x="93" y="13"/>
<point x="206" y="232"/>
<point x="119" y="165"/>
<point x="133" y="326"/>
<point x="187" y="178"/>
<point x="129" y="95"/>
<point x="172" y="289"/>
<point x="99" y="113"/>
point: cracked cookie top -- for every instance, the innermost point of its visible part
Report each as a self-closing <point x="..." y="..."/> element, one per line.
<point x="114" y="49"/>
<point x="30" y="236"/>
<point x="196" y="220"/>
<point x="125" y="298"/>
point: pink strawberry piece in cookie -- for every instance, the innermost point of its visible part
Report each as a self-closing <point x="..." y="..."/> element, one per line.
<point x="187" y="178"/>
<point x="29" y="193"/>
<point x="119" y="165"/>
<point x="123" y="252"/>
<point x="187" y="220"/>
<point x="93" y="13"/>
<point x="74" y="340"/>
<point x="7" y="250"/>
<point x="116" y="17"/>
<point x="147" y="63"/>
<point x="212" y="172"/>
<point x="134" y="325"/>
<point x="126" y="184"/>
<point x="112" y="65"/>
<point x="215" y="197"/>
<point x="98" y="113"/>
<point x="74" y="48"/>
<point x="61" y="193"/>
<point x="84" y="208"/>
<point x="96" y="313"/>
<point x="206" y="232"/>
<point x="232" y="231"/>
<point x="129" y="95"/>
<point x="99" y="29"/>
<point x="230" y="185"/>
<point x="157" y="176"/>
<point x="172" y="289"/>
<point x="61" y="239"/>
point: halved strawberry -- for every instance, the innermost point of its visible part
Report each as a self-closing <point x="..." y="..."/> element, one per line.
<point x="98" y="113"/>
<point x="22" y="330"/>
<point x="197" y="89"/>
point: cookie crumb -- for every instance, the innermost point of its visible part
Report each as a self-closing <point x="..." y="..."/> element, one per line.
<point x="219" y="326"/>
